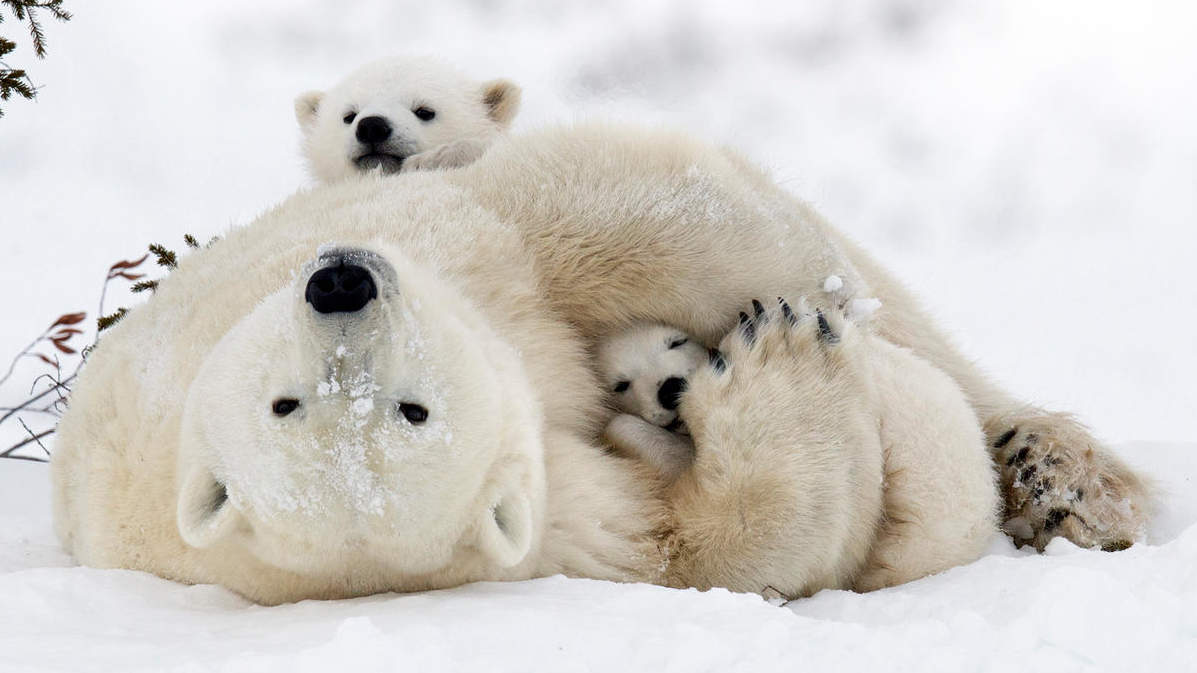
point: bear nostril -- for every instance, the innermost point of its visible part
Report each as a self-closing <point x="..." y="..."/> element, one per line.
<point x="340" y="289"/>
<point x="670" y="392"/>
<point x="372" y="130"/>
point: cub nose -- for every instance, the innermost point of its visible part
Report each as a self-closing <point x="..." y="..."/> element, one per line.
<point x="340" y="289"/>
<point x="670" y="392"/>
<point x="373" y="130"/>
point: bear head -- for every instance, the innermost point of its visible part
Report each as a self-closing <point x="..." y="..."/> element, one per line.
<point x="363" y="421"/>
<point x="646" y="368"/>
<point x="389" y="110"/>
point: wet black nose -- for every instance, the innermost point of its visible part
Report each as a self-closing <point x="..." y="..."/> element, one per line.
<point x="340" y="289"/>
<point x="373" y="130"/>
<point x="670" y="392"/>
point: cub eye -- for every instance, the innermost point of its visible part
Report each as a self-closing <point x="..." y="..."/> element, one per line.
<point x="677" y="343"/>
<point x="424" y="114"/>
<point x="349" y="117"/>
<point x="621" y="386"/>
<point x="414" y="413"/>
<point x="283" y="406"/>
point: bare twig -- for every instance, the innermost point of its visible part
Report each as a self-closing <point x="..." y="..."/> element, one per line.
<point x="36" y="438"/>
<point x="10" y="451"/>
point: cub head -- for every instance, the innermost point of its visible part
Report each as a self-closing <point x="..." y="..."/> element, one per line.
<point x="646" y="368"/>
<point x="363" y="423"/>
<point x="389" y="110"/>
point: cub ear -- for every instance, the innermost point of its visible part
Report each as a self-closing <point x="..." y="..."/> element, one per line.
<point x="306" y="106"/>
<point x="502" y="100"/>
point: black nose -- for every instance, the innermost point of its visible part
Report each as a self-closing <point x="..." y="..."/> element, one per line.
<point x="340" y="289"/>
<point x="373" y="130"/>
<point x="670" y="392"/>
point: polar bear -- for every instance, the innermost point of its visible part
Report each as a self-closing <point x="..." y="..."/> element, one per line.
<point x="402" y="114"/>
<point x="931" y="518"/>
<point x="646" y="369"/>
<point x="384" y="384"/>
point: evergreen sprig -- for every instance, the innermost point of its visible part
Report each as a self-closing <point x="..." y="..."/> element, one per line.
<point x="15" y="80"/>
<point x="166" y="258"/>
<point x="106" y="321"/>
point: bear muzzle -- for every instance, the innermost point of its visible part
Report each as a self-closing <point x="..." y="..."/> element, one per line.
<point x="345" y="288"/>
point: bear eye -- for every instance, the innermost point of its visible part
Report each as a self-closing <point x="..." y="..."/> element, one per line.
<point x="424" y="114"/>
<point x="414" y="413"/>
<point x="284" y="405"/>
<point x="677" y="343"/>
<point x="622" y="386"/>
<point x="349" y="117"/>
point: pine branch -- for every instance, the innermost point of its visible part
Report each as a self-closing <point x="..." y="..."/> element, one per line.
<point x="15" y="80"/>
<point x="166" y="258"/>
<point x="104" y="322"/>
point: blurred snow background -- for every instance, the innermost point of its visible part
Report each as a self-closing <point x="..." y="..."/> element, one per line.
<point x="1029" y="168"/>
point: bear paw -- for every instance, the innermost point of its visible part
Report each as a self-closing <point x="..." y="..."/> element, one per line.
<point x="449" y="155"/>
<point x="1056" y="480"/>
<point x="781" y="354"/>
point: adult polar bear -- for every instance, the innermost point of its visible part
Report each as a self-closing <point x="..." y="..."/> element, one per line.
<point x="446" y="434"/>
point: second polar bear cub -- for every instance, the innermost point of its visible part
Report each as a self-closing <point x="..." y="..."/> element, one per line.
<point x="647" y="368"/>
<point x="928" y="435"/>
<point x="402" y="114"/>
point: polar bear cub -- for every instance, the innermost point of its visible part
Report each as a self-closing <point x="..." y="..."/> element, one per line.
<point x="940" y="505"/>
<point x="646" y="368"/>
<point x="402" y="114"/>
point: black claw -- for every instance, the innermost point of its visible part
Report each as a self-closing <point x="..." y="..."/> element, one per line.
<point x="716" y="360"/>
<point x="747" y="328"/>
<point x="825" y="332"/>
<point x="1027" y="473"/>
<point x="1022" y="455"/>
<point x="1055" y="518"/>
<point x="1005" y="438"/>
<point x="759" y="310"/>
<point x="787" y="312"/>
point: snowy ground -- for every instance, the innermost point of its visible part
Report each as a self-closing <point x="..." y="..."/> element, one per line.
<point x="1067" y="610"/>
<point x="1029" y="168"/>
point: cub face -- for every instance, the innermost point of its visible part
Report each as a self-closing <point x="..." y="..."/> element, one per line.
<point x="646" y="369"/>
<point x="390" y="110"/>
<point x="363" y="422"/>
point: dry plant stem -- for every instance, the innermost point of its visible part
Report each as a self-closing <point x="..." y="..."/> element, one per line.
<point x="58" y="335"/>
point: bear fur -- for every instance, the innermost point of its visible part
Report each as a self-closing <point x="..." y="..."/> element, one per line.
<point x="494" y="283"/>
<point x="931" y="519"/>
<point x="402" y="114"/>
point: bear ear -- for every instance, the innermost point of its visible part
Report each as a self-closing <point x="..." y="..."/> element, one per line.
<point x="506" y="530"/>
<point x="204" y="514"/>
<point x="307" y="104"/>
<point x="502" y="100"/>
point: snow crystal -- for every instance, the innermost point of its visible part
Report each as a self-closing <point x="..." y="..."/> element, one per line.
<point x="863" y="308"/>
<point x="833" y="284"/>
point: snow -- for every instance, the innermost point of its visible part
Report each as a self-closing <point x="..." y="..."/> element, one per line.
<point x="1068" y="609"/>
<point x="1028" y="168"/>
<point x="864" y="307"/>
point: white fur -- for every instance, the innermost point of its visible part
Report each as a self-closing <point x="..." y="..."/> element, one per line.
<point x="940" y="501"/>
<point x="507" y="272"/>
<point x="468" y="117"/>
<point x="641" y="358"/>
